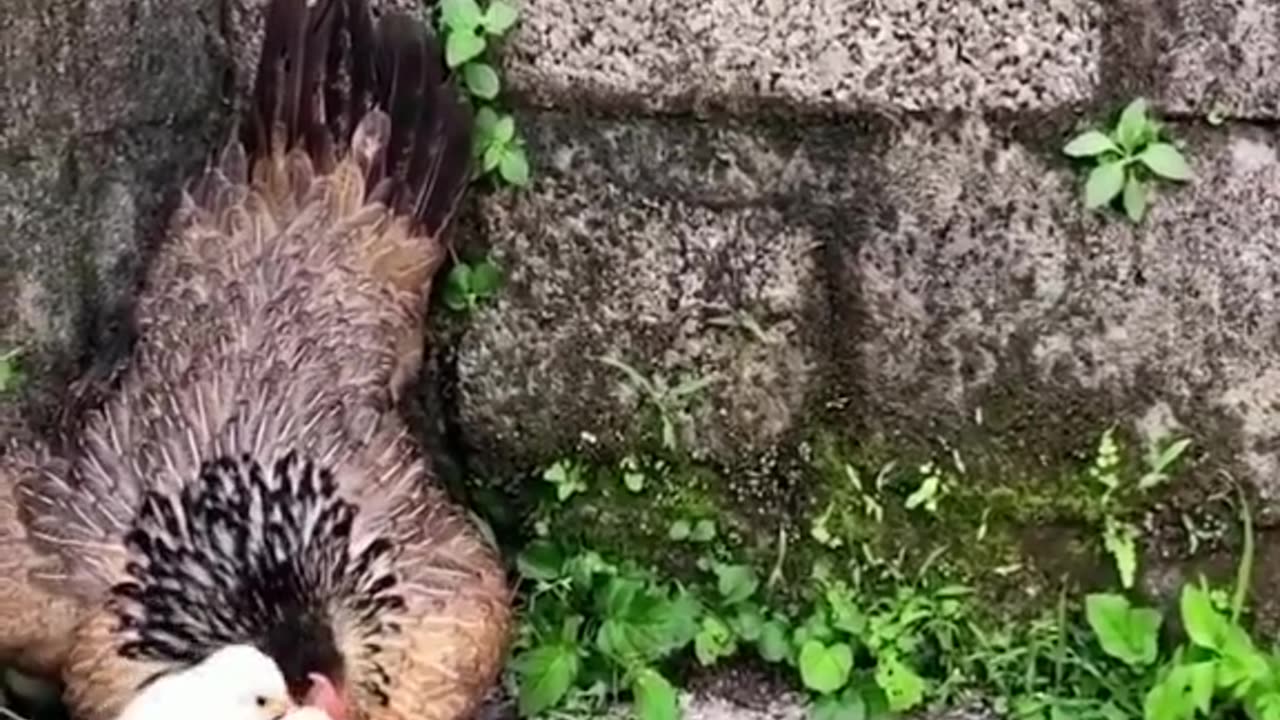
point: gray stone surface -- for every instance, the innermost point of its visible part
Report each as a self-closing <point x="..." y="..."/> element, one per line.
<point x="925" y="270"/>
<point x="997" y="275"/>
<point x="90" y="67"/>
<point x="905" y="54"/>
<point x="634" y="242"/>
<point x="1222" y="54"/>
<point x="105" y="106"/>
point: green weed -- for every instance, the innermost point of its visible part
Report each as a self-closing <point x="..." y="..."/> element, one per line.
<point x="468" y="285"/>
<point x="1120" y="535"/>
<point x="470" y="33"/>
<point x="670" y="401"/>
<point x="872" y="642"/>
<point x="1128" y="160"/>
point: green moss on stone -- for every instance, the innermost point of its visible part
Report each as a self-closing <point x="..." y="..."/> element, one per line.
<point x="1011" y="523"/>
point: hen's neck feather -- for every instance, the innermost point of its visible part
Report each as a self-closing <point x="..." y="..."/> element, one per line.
<point x="259" y="553"/>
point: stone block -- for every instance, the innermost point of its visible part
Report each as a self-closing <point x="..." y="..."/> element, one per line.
<point x="90" y="67"/>
<point x="75" y="221"/>
<point x="813" y="54"/>
<point x="638" y="241"/>
<point x="1222" y="53"/>
<point x="991" y="282"/>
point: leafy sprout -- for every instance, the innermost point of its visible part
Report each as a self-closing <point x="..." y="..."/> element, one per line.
<point x="1128" y="160"/>
<point x="467" y="285"/>
<point x="470" y="32"/>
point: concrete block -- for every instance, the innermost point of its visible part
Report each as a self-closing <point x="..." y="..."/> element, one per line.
<point x="90" y="67"/>
<point x="992" y="281"/>
<point x="833" y="54"/>
<point x="1222" y="53"/>
<point x="607" y="255"/>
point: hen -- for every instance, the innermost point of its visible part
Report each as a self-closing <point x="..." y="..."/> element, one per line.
<point x="247" y="480"/>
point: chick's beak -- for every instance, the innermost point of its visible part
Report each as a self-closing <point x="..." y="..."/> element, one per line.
<point x="278" y="708"/>
<point x="325" y="696"/>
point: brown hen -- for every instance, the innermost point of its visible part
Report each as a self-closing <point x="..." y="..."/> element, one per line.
<point x="248" y="479"/>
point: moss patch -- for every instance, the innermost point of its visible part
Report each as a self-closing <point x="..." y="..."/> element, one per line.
<point x="1015" y="525"/>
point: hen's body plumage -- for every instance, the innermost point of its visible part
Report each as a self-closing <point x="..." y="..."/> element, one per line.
<point x="248" y="480"/>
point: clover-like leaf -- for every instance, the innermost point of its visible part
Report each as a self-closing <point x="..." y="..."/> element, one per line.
<point x="514" y="166"/>
<point x="544" y="675"/>
<point x="1126" y="633"/>
<point x="485" y="278"/>
<point x="825" y="668"/>
<point x="461" y="15"/>
<point x="499" y="18"/>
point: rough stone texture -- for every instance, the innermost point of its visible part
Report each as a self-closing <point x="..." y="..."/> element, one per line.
<point x="1222" y="53"/>
<point x="997" y="278"/>
<point x="105" y="106"/>
<point x="623" y="251"/>
<point x="904" y="54"/>
<point x="91" y="67"/>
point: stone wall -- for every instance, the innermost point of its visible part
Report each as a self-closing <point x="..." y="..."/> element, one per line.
<point x="879" y="185"/>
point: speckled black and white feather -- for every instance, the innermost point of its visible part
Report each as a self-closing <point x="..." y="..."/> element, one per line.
<point x="253" y="553"/>
<point x="237" y="553"/>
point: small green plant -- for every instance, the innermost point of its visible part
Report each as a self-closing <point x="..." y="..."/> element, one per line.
<point x="1126" y="633"/>
<point x="1119" y="535"/>
<point x="11" y="375"/>
<point x="671" y="402"/>
<point x="470" y="31"/>
<point x="467" y="285"/>
<point x="863" y="636"/>
<point x="467" y="30"/>
<point x="500" y="148"/>
<point x="567" y="477"/>
<point x="593" y="627"/>
<point x="701" y="531"/>
<point x="633" y="474"/>
<point x="1217" y="672"/>
<point x="934" y="482"/>
<point x="1129" y="159"/>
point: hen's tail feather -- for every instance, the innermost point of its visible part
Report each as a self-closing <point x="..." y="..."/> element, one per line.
<point x="325" y="78"/>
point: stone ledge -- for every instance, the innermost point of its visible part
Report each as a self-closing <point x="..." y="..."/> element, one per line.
<point x="912" y="55"/>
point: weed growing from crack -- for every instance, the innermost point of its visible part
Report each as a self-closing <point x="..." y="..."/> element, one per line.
<point x="1128" y="160"/>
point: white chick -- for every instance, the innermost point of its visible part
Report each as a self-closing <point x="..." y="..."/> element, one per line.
<point x="238" y="682"/>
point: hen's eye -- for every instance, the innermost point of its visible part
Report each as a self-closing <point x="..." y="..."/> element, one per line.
<point x="262" y="702"/>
